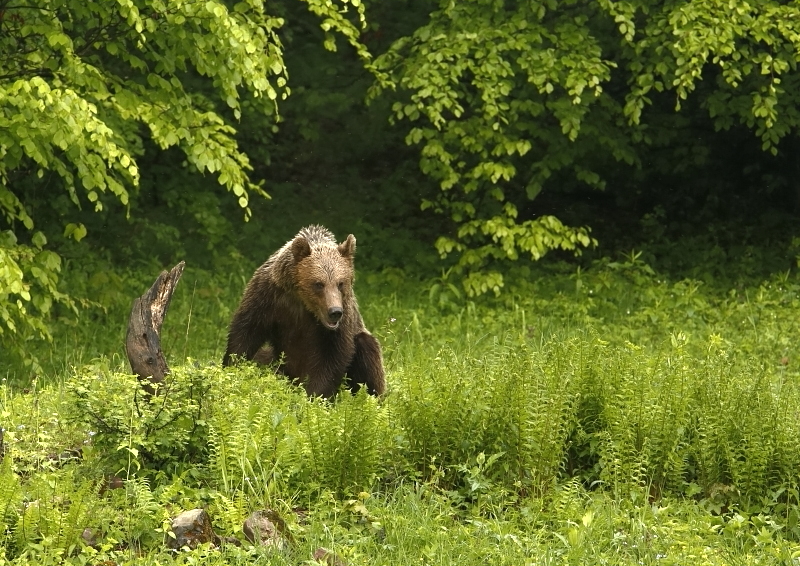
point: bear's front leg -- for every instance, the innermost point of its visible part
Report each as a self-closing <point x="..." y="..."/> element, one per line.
<point x="367" y="365"/>
<point x="245" y="337"/>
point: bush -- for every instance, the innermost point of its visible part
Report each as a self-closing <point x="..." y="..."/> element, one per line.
<point x="132" y="430"/>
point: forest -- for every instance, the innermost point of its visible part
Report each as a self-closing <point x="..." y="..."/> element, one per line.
<point x="578" y="245"/>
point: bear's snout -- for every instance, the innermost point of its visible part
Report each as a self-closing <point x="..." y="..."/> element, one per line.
<point x="334" y="316"/>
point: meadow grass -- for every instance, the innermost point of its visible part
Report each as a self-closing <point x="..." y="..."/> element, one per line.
<point x="603" y="417"/>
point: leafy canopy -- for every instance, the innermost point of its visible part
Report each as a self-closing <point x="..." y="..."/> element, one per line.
<point x="84" y="82"/>
<point x="506" y="97"/>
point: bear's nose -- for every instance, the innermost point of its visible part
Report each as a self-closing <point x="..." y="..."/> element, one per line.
<point x="335" y="313"/>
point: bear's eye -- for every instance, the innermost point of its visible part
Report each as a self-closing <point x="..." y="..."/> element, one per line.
<point x="341" y="285"/>
<point x="319" y="286"/>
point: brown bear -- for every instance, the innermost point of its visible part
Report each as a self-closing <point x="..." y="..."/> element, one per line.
<point x="301" y="304"/>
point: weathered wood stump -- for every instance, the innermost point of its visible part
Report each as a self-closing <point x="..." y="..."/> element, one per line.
<point x="191" y="529"/>
<point x="143" y="342"/>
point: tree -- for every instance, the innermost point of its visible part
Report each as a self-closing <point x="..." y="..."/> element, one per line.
<point x="84" y="82"/>
<point x="506" y="98"/>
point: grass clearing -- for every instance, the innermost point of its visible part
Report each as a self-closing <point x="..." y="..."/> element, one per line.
<point x="599" y="417"/>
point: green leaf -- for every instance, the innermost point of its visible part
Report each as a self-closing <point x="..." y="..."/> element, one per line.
<point x="76" y="231"/>
<point x="39" y="240"/>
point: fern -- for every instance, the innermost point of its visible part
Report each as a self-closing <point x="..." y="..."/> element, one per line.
<point x="255" y="445"/>
<point x="229" y="512"/>
<point x="533" y="401"/>
<point x="144" y="517"/>
<point x="57" y="511"/>
<point x="10" y="498"/>
<point x="344" y="442"/>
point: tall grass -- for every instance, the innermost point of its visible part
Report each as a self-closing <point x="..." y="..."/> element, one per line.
<point x="517" y="416"/>
<point x="545" y="427"/>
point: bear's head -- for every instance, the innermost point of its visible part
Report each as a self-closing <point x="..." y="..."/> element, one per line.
<point x="324" y="277"/>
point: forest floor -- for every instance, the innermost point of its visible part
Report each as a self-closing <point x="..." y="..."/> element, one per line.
<point x="604" y="416"/>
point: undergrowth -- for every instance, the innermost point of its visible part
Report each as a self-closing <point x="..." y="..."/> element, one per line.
<point x="603" y="416"/>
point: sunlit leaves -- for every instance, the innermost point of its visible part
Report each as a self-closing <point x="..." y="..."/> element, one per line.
<point x="754" y="46"/>
<point x="334" y="18"/>
<point x="497" y="93"/>
<point x="28" y="289"/>
<point x="501" y="238"/>
<point x="75" y="231"/>
<point x="504" y="96"/>
<point x="59" y="130"/>
<point x="83" y="82"/>
<point x="132" y="70"/>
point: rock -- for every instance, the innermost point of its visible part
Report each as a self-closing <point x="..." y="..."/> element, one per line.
<point x="89" y="537"/>
<point x="325" y="556"/>
<point x="111" y="482"/>
<point x="265" y="527"/>
<point x="191" y="528"/>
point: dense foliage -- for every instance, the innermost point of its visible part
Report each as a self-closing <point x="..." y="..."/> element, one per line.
<point x="521" y="112"/>
<point x="85" y="86"/>
<point x="507" y="98"/>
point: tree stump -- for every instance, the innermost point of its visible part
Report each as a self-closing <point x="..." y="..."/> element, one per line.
<point x="143" y="343"/>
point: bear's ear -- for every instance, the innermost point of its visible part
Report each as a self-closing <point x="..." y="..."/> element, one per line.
<point x="300" y="248"/>
<point x="348" y="247"/>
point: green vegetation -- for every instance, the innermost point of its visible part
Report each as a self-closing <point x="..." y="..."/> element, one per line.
<point x="507" y="99"/>
<point x="587" y="416"/>
<point x="110" y="115"/>
<point x="87" y="87"/>
<point x="620" y="408"/>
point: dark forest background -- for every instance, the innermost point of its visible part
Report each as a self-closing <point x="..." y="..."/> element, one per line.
<point x="336" y="160"/>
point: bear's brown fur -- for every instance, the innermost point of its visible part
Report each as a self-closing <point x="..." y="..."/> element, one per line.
<point x="301" y="303"/>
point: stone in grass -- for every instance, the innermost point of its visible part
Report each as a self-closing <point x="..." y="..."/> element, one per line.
<point x="89" y="537"/>
<point x="191" y="529"/>
<point x="266" y="528"/>
<point x="325" y="556"/>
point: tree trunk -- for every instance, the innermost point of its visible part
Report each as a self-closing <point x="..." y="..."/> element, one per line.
<point x="143" y="343"/>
